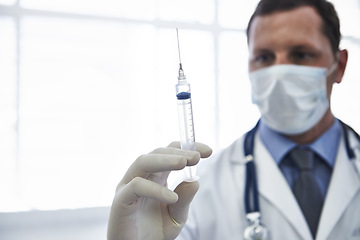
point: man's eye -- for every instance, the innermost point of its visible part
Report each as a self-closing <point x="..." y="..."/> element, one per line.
<point x="300" y="56"/>
<point x="263" y="58"/>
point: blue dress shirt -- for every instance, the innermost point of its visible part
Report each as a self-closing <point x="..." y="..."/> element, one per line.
<point x="326" y="147"/>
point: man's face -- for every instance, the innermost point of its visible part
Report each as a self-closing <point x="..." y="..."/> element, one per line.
<point x="290" y="37"/>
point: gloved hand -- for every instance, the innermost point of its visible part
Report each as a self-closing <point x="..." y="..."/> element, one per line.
<point x="143" y="207"/>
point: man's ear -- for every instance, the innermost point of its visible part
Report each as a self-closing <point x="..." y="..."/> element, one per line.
<point x="342" y="61"/>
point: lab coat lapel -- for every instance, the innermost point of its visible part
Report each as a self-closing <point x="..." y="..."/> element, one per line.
<point x="343" y="186"/>
<point x="274" y="187"/>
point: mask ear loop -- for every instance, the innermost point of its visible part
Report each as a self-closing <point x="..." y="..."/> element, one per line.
<point x="332" y="68"/>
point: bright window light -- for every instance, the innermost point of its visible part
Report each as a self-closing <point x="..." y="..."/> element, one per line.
<point x="200" y="11"/>
<point x="8" y="111"/>
<point x="235" y="13"/>
<point x="134" y="9"/>
<point x="7" y="2"/>
<point x="81" y="97"/>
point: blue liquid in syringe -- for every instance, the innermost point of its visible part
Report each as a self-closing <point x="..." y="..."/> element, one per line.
<point x="183" y="95"/>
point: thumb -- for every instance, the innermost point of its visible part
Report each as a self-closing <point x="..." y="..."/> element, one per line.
<point x="179" y="210"/>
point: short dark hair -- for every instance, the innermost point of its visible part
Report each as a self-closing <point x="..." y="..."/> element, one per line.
<point x="326" y="10"/>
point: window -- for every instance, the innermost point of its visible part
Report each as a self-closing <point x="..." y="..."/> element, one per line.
<point x="87" y="86"/>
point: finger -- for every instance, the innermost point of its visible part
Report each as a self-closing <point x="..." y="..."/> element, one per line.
<point x="153" y="163"/>
<point x="204" y="150"/>
<point x="179" y="210"/>
<point x="140" y="187"/>
<point x="192" y="157"/>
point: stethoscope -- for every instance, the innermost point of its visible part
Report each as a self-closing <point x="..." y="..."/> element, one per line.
<point x="256" y="230"/>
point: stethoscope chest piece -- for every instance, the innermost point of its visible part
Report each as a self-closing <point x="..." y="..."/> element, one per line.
<point x="255" y="231"/>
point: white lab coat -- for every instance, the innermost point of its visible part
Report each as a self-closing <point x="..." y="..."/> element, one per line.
<point x="217" y="211"/>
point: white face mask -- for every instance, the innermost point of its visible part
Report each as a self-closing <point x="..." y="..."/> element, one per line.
<point x="291" y="98"/>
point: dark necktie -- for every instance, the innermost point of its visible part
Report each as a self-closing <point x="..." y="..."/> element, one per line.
<point x="306" y="189"/>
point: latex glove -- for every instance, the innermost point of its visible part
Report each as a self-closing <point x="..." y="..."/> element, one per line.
<point x="143" y="207"/>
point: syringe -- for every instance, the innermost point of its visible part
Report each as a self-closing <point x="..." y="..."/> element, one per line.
<point x="187" y="134"/>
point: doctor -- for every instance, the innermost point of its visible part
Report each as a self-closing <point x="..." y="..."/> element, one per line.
<point x="294" y="62"/>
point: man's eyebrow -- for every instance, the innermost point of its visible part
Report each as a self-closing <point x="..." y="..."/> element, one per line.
<point x="303" y="46"/>
<point x="262" y="50"/>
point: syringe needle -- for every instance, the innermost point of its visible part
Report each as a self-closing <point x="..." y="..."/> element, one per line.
<point x="177" y="34"/>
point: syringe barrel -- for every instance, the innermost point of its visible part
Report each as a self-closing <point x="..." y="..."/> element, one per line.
<point x="186" y="124"/>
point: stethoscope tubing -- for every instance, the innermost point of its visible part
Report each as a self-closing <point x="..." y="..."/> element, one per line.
<point x="250" y="175"/>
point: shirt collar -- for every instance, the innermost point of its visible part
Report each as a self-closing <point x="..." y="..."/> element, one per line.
<point x="278" y="145"/>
